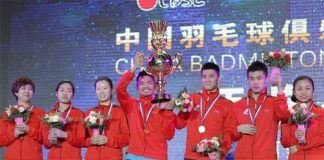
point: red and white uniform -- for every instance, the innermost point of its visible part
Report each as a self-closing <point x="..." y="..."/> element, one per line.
<point x="314" y="147"/>
<point x="28" y="147"/>
<point x="157" y="123"/>
<point x="116" y="131"/>
<point x="217" y="122"/>
<point x="261" y="145"/>
<point x="70" y="148"/>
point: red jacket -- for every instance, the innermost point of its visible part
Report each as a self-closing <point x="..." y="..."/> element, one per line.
<point x="314" y="147"/>
<point x="28" y="147"/>
<point x="116" y="131"/>
<point x="160" y="124"/>
<point x="217" y="122"/>
<point x="70" y="148"/>
<point x="262" y="145"/>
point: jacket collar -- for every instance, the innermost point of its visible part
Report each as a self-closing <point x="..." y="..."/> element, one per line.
<point x="260" y="97"/>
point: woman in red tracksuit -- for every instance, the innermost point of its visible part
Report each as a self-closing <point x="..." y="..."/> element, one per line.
<point x="115" y="134"/>
<point x="22" y="141"/>
<point x="65" y="144"/>
<point x="303" y="88"/>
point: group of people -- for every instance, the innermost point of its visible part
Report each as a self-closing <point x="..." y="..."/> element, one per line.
<point x="145" y="128"/>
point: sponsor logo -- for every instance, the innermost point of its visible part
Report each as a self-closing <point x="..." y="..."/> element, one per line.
<point x="148" y="5"/>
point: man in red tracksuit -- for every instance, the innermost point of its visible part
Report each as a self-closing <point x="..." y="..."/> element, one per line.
<point x="150" y="127"/>
<point x="256" y="117"/>
<point x="214" y="115"/>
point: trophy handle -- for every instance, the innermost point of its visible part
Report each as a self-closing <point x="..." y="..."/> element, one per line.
<point x="178" y="56"/>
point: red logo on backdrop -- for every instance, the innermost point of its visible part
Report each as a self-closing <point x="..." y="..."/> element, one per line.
<point x="147" y="5"/>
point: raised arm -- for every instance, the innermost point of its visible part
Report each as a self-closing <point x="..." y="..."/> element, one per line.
<point x="123" y="96"/>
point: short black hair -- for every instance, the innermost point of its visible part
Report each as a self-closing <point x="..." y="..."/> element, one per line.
<point x="65" y="81"/>
<point x="104" y="78"/>
<point x="22" y="81"/>
<point x="210" y="65"/>
<point x="142" y="74"/>
<point x="299" y="78"/>
<point x="257" y="66"/>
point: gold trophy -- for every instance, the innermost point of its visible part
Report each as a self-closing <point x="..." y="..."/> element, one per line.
<point x="160" y="63"/>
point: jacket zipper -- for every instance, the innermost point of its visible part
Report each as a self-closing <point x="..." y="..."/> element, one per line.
<point x="144" y="132"/>
<point x="20" y="149"/>
<point x="99" y="153"/>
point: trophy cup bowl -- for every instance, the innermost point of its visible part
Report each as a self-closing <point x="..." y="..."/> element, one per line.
<point x="160" y="63"/>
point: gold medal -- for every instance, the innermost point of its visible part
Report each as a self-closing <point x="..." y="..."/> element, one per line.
<point x="201" y="129"/>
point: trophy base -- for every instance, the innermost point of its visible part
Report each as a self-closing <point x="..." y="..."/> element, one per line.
<point x="160" y="98"/>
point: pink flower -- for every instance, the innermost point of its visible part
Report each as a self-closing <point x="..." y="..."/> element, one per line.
<point x="62" y="120"/>
<point x="201" y="148"/>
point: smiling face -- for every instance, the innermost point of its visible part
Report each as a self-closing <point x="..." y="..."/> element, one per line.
<point x="103" y="91"/>
<point x="145" y="85"/>
<point x="64" y="93"/>
<point x="209" y="79"/>
<point x="25" y="93"/>
<point x="257" y="81"/>
<point x="303" y="90"/>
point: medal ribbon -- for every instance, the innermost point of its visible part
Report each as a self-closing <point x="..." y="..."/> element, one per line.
<point x="105" y="122"/>
<point x="148" y="114"/>
<point x="253" y="117"/>
<point x="203" y="117"/>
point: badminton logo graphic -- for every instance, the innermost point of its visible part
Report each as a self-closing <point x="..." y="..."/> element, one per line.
<point x="148" y="5"/>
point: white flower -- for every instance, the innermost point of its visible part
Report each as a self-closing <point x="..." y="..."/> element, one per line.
<point x="216" y="144"/>
<point x="92" y="113"/>
<point x="177" y="102"/>
<point x="9" y="111"/>
<point x="291" y="110"/>
<point x="21" y="109"/>
<point x="54" y="118"/>
<point x="271" y="54"/>
<point x="186" y="101"/>
<point x="185" y="95"/>
<point x="92" y="120"/>
<point x="303" y="105"/>
<point x="46" y="116"/>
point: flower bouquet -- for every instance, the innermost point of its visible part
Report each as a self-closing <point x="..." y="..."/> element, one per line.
<point x="301" y="116"/>
<point x="94" y="121"/>
<point x="210" y="148"/>
<point x="183" y="101"/>
<point x="277" y="61"/>
<point x="55" y="120"/>
<point x="18" y="113"/>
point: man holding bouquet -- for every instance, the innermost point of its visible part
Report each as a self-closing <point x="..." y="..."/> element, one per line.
<point x="210" y="115"/>
<point x="256" y="117"/>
